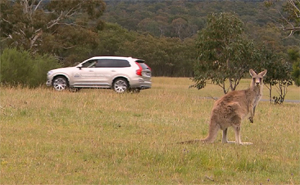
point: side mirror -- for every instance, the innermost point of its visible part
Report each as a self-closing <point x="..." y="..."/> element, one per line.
<point x="79" y="67"/>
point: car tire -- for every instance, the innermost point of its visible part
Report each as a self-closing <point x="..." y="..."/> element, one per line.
<point x="120" y="85"/>
<point x="60" y="83"/>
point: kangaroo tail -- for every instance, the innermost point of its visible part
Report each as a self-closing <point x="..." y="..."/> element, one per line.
<point x="195" y="141"/>
<point x="190" y="142"/>
<point x="212" y="132"/>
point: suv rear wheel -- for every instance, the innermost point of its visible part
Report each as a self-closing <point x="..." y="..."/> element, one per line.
<point x="60" y="83"/>
<point x="120" y="85"/>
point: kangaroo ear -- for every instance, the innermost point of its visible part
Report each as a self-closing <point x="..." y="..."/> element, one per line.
<point x="252" y="73"/>
<point x="263" y="73"/>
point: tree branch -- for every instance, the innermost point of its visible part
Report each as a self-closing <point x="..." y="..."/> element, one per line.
<point x="37" y="5"/>
<point x="55" y="22"/>
<point x="292" y="3"/>
<point x="38" y="32"/>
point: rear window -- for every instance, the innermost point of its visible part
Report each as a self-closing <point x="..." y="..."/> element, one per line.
<point x="142" y="64"/>
<point x="112" y="63"/>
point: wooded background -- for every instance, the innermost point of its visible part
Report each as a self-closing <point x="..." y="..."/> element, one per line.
<point x="167" y="34"/>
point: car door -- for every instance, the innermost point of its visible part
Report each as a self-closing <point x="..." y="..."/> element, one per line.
<point x="86" y="75"/>
<point x="105" y="70"/>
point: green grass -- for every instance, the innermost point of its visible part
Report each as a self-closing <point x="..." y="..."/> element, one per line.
<point x="100" y="137"/>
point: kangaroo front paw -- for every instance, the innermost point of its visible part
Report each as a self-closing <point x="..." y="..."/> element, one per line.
<point x="251" y="119"/>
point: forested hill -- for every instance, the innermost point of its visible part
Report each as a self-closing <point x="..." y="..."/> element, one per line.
<point x="183" y="18"/>
<point x="165" y="33"/>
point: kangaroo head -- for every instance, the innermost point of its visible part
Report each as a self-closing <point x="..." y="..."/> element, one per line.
<point x="257" y="79"/>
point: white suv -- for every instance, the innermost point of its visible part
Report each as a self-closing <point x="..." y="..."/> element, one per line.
<point x="118" y="73"/>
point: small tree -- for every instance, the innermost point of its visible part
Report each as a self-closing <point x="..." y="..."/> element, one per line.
<point x="224" y="54"/>
<point x="279" y="75"/>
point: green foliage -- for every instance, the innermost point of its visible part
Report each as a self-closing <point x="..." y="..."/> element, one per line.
<point x="162" y="32"/>
<point x="224" y="53"/>
<point x="51" y="27"/>
<point x="112" y="39"/>
<point x="21" y="68"/>
<point x="296" y="72"/>
<point x="166" y="56"/>
<point x="161" y="18"/>
<point x="183" y="19"/>
<point x="289" y="15"/>
<point x="292" y="16"/>
<point x="294" y="55"/>
<point x="279" y="73"/>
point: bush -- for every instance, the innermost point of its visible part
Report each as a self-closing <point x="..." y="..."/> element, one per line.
<point x="22" y="68"/>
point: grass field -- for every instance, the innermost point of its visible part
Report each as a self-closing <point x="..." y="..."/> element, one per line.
<point x="100" y="137"/>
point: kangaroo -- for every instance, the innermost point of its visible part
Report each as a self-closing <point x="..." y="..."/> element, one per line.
<point x="232" y="108"/>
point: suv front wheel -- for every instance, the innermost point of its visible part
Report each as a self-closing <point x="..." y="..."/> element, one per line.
<point x="120" y="85"/>
<point x="60" y="83"/>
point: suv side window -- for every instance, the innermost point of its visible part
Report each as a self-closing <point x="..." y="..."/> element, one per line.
<point x="88" y="64"/>
<point x="106" y="63"/>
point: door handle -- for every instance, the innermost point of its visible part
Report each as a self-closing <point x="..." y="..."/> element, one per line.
<point x="113" y="71"/>
<point x="91" y="71"/>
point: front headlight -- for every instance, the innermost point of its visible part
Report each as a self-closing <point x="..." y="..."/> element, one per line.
<point x="49" y="73"/>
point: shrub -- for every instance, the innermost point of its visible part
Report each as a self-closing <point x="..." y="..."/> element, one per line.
<point x="22" y="68"/>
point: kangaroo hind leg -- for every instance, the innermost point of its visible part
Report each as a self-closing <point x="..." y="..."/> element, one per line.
<point x="236" y="123"/>
<point x="224" y="138"/>
<point x="238" y="137"/>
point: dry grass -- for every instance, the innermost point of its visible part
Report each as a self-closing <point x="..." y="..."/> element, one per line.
<point x="97" y="136"/>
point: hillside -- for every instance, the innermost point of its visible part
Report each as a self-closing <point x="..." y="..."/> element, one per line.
<point x="183" y="18"/>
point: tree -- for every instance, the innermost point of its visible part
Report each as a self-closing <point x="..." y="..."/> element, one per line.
<point x="179" y="26"/>
<point x="279" y="74"/>
<point x="45" y="26"/>
<point x="290" y="15"/>
<point x="166" y="56"/>
<point x="113" y="37"/>
<point x="224" y="54"/>
<point x="149" y="25"/>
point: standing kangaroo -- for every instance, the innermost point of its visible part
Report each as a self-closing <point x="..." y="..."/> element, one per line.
<point x="232" y="108"/>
